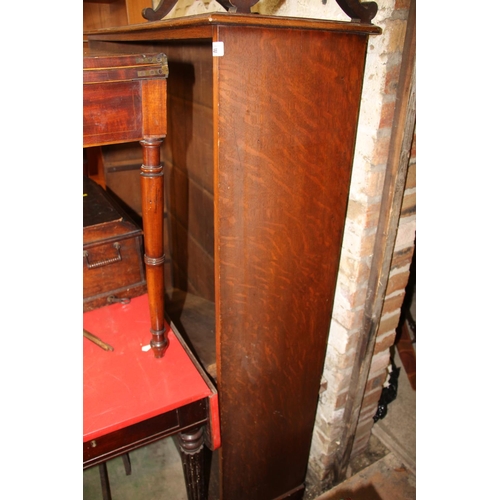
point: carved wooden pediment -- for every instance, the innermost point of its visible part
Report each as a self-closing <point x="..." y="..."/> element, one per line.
<point x="358" y="11"/>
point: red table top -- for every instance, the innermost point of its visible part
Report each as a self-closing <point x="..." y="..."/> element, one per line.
<point x="129" y="385"/>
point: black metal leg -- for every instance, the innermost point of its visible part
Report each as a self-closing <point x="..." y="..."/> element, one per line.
<point x="106" y="490"/>
<point x="193" y="463"/>
<point x="127" y="464"/>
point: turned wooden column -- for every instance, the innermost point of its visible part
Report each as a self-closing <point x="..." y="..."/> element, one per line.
<point x="154" y="116"/>
<point x="154" y="256"/>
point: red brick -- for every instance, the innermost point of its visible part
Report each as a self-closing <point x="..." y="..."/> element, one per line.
<point x="365" y="426"/>
<point x="350" y="320"/>
<point x="367" y="244"/>
<point x="402" y="257"/>
<point x="384" y="341"/>
<point x="352" y="341"/>
<point x="372" y="397"/>
<point x="360" y="445"/>
<point x="367" y="413"/>
<point x="356" y="297"/>
<point x="409" y="205"/>
<point x="397" y="34"/>
<point x="364" y="213"/>
<point x="341" y="400"/>
<point x="345" y="361"/>
<point x="354" y="269"/>
<point x="397" y="282"/>
<point x="406" y="232"/>
<point x="374" y="183"/>
<point x="381" y="152"/>
<point x="392" y="80"/>
<point x="376" y="382"/>
<point x="388" y="324"/>
<point x="393" y="304"/>
<point x="387" y="114"/>
<point x="380" y="361"/>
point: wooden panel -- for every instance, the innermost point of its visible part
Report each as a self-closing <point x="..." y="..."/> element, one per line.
<point x="191" y="78"/>
<point x="284" y="153"/>
<point x="192" y="206"/>
<point x="154" y="97"/>
<point x="109" y="13"/>
<point x="103" y="15"/>
<point x="113" y="113"/>
<point x="134" y="10"/>
<point x="122" y="155"/>
<point x="190" y="145"/>
<point x="189" y="174"/>
<point x="191" y="266"/>
<point x="126" y="186"/>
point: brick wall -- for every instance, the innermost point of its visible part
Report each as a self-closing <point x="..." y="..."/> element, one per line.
<point x="370" y="162"/>
<point x="372" y="149"/>
<point x="386" y="334"/>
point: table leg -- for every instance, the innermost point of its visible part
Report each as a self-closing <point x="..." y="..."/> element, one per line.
<point x="192" y="450"/>
<point x="103" y="473"/>
<point x="152" y="188"/>
<point x="127" y="464"/>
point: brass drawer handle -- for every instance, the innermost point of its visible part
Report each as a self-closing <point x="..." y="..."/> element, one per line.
<point x="105" y="261"/>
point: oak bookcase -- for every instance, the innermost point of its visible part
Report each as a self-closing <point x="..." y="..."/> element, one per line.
<point x="262" y="117"/>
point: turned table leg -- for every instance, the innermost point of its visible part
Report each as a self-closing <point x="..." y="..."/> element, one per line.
<point x="152" y="188"/>
<point x="192" y="450"/>
<point x="103" y="474"/>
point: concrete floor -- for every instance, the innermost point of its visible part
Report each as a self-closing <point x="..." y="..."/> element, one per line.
<point x="386" y="479"/>
<point x="156" y="474"/>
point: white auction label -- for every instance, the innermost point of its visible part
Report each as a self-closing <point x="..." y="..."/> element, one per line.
<point x="217" y="49"/>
